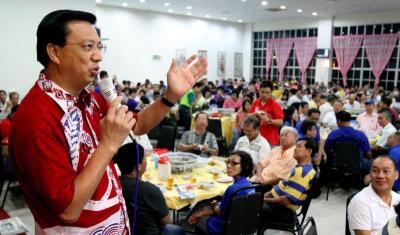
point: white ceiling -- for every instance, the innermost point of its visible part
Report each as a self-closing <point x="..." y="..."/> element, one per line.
<point x="250" y="11"/>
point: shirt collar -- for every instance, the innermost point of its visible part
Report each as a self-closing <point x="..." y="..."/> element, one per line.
<point x="375" y="198"/>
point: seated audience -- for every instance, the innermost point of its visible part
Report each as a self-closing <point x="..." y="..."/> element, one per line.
<point x="252" y="142"/>
<point x="315" y="100"/>
<point x="234" y="101"/>
<point x="346" y="133"/>
<point x="394" y="152"/>
<point x="3" y="100"/>
<point x="199" y="141"/>
<point x="304" y="111"/>
<point x="152" y="214"/>
<point x="372" y="207"/>
<point x="13" y="101"/>
<point x="291" y="117"/>
<point x="295" y="96"/>
<point x="211" y="220"/>
<point x="386" y="103"/>
<point x="392" y="227"/>
<point x="327" y="106"/>
<point x="241" y="115"/>
<point x="368" y="121"/>
<point x="5" y="125"/>
<point x="289" y="194"/>
<point x="352" y="105"/>
<point x="330" y="117"/>
<point x="279" y="162"/>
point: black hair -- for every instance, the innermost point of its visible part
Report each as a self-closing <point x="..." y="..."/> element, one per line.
<point x="53" y="29"/>
<point x="314" y="95"/>
<point x="126" y="157"/>
<point x="293" y="91"/>
<point x="387" y="101"/>
<point x="343" y="116"/>
<point x="3" y="91"/>
<point x="145" y="100"/>
<point x="289" y="113"/>
<point x="132" y="90"/>
<point x="313" y="110"/>
<point x="310" y="144"/>
<point x="253" y="121"/>
<point x="246" y="163"/>
<point x="266" y="84"/>
<point x="14" y="109"/>
<point x="198" y="85"/>
<point x="10" y="95"/>
<point x="306" y="125"/>
<point x="387" y="113"/>
<point x="304" y="104"/>
<point x="198" y="114"/>
<point x="156" y="93"/>
<point x="331" y="98"/>
<point x="296" y="105"/>
<point x="246" y="100"/>
<point x="387" y="157"/>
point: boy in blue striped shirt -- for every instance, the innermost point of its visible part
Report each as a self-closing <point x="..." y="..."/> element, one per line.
<point x="289" y="194"/>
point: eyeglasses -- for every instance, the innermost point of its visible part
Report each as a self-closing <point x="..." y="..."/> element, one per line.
<point x="90" y="46"/>
<point x="232" y="163"/>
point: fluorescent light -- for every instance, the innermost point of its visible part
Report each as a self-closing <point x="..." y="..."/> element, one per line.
<point x="142" y="1"/>
<point x="299" y="10"/>
<point x="208" y="16"/>
<point x="189" y="7"/>
<point x="314" y="13"/>
<point x="170" y="10"/>
<point x="124" y="4"/>
<point x="283" y="7"/>
<point x="189" y="13"/>
<point x="264" y="3"/>
<point x="224" y="18"/>
<point x="98" y="1"/>
<point x="240" y="21"/>
<point x="166" y="4"/>
<point x="243" y="0"/>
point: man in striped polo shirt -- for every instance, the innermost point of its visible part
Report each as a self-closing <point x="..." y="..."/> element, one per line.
<point x="287" y="196"/>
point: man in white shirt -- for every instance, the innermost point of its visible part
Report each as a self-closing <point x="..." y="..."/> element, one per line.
<point x="327" y="106"/>
<point x="296" y="96"/>
<point x="352" y="105"/>
<point x="253" y="142"/>
<point x="368" y="121"/>
<point x="384" y="120"/>
<point x="372" y="207"/>
<point x="330" y="117"/>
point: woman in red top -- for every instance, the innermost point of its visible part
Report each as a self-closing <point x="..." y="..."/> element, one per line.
<point x="239" y="119"/>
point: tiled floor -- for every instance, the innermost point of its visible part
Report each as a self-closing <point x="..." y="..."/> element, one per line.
<point x="329" y="215"/>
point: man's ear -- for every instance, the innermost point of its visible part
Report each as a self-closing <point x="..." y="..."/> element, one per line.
<point x="53" y="51"/>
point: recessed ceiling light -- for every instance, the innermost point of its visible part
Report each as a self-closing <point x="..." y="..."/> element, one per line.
<point x="224" y="18"/>
<point x="166" y="4"/>
<point x="170" y="10"/>
<point x="189" y="7"/>
<point x="124" y="4"/>
<point x="98" y="1"/>
<point x="264" y="3"/>
<point x="142" y="1"/>
<point x="283" y="7"/>
<point x="208" y="16"/>
<point x="243" y="0"/>
<point x="189" y="13"/>
<point x="299" y="10"/>
<point x="240" y="21"/>
<point x="314" y="13"/>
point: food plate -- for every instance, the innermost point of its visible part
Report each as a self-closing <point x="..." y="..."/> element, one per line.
<point x="225" y="179"/>
<point x="213" y="170"/>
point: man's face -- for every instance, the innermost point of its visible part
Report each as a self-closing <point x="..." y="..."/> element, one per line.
<point x="314" y="117"/>
<point x="300" y="152"/>
<point x="265" y="93"/>
<point x="202" y="121"/>
<point x="337" y="107"/>
<point x="79" y="67"/>
<point x="382" y="120"/>
<point x="250" y="131"/>
<point x="288" y="139"/>
<point x="317" y="98"/>
<point x="392" y="140"/>
<point x="14" y="99"/>
<point x="305" y="109"/>
<point x="369" y="108"/>
<point x="3" y="97"/>
<point x="313" y="132"/>
<point x="383" y="174"/>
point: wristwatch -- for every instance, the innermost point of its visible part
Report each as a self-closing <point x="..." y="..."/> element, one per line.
<point x="166" y="102"/>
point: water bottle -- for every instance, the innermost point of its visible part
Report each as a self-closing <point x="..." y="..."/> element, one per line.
<point x="164" y="168"/>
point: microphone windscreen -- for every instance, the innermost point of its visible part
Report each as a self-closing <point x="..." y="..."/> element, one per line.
<point x="107" y="89"/>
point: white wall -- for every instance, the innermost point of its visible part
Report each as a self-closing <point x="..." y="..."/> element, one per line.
<point x="19" y="20"/>
<point x="134" y="36"/>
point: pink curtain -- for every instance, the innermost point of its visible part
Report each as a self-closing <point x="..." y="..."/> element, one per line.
<point x="282" y="48"/>
<point x="379" y="48"/>
<point x="346" y="49"/>
<point x="269" y="46"/>
<point x="305" y="49"/>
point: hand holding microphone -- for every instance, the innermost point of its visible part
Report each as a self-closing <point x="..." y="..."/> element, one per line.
<point x="118" y="122"/>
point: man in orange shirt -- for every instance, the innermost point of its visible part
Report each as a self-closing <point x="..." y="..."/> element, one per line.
<point x="279" y="162"/>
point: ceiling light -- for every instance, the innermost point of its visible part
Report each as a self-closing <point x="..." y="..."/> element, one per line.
<point x="98" y="1"/>
<point x="240" y="21"/>
<point x="224" y="18"/>
<point x="264" y="3"/>
<point x="124" y="4"/>
<point x="283" y="7"/>
<point x="243" y="0"/>
<point x="208" y="16"/>
<point x="299" y="10"/>
<point x="189" y="13"/>
<point x="314" y="13"/>
<point x="189" y="7"/>
<point x="142" y="1"/>
<point x="166" y="4"/>
<point x="170" y="10"/>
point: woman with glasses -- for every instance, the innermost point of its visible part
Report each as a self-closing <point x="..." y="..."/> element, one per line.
<point x="210" y="219"/>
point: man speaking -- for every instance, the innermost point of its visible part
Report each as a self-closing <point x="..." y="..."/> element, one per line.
<point x="64" y="137"/>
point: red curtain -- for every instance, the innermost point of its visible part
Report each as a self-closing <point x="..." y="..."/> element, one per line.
<point x="379" y="49"/>
<point x="282" y="48"/>
<point x="305" y="49"/>
<point x="346" y="49"/>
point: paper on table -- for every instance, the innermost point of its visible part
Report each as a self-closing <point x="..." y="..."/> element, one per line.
<point x="12" y="226"/>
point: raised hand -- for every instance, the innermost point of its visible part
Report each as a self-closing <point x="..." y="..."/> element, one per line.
<point x="182" y="79"/>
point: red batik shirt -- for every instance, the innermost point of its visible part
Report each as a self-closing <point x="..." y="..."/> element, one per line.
<point x="53" y="137"/>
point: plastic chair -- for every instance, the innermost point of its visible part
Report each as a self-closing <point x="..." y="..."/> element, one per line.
<point x="312" y="227"/>
<point x="167" y="138"/>
<point x="349" y="197"/>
